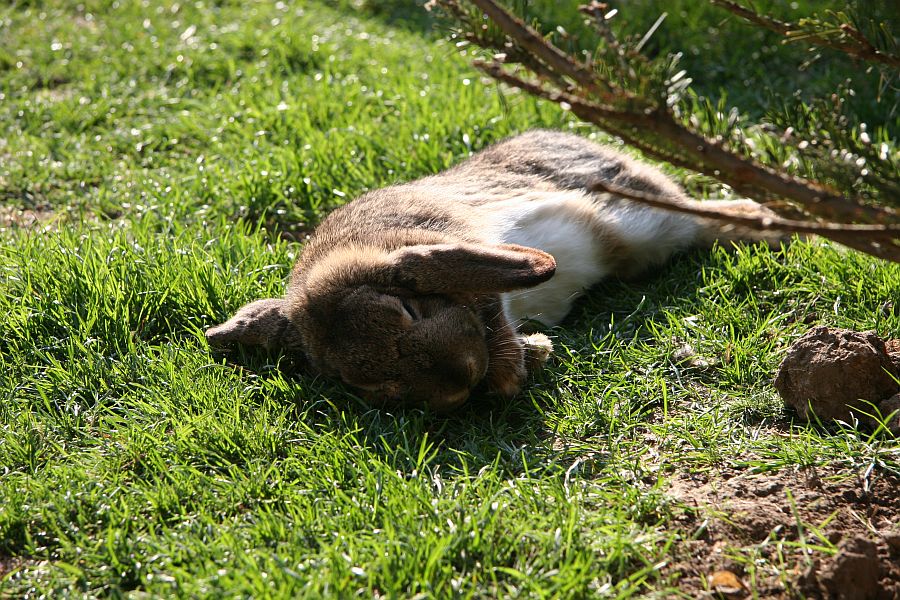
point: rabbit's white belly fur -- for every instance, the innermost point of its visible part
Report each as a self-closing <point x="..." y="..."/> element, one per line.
<point x="565" y="225"/>
<point x="561" y="228"/>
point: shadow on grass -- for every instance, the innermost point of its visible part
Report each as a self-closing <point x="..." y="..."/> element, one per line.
<point x="469" y="438"/>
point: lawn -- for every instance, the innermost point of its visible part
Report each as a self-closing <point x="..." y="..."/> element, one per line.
<point x="160" y="165"/>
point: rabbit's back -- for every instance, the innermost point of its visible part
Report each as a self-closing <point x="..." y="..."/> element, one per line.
<point x="558" y="160"/>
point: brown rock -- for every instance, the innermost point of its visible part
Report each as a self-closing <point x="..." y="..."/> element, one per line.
<point x="834" y="372"/>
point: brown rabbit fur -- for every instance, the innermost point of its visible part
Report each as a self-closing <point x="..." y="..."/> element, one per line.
<point x="413" y="293"/>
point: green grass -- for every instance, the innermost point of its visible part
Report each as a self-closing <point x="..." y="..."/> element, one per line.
<point x="182" y="149"/>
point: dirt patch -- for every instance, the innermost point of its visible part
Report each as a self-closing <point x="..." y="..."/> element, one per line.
<point x="52" y="95"/>
<point x="8" y="564"/>
<point x="20" y="218"/>
<point x="790" y="534"/>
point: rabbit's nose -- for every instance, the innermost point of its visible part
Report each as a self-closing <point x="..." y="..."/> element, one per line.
<point x="461" y="371"/>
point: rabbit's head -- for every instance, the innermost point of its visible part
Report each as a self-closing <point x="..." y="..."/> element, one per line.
<point x="419" y="325"/>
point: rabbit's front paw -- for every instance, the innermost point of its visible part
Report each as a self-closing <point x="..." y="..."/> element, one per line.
<point x="537" y="350"/>
<point x="506" y="374"/>
<point x="510" y="368"/>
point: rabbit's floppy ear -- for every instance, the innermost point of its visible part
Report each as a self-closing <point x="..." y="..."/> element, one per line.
<point x="260" y="323"/>
<point x="472" y="268"/>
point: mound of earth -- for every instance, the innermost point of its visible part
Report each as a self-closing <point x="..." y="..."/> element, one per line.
<point x="838" y="374"/>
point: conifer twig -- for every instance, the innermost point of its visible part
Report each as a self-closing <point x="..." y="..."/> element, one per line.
<point x="855" y="44"/>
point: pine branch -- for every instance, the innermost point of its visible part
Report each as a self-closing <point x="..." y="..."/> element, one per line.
<point x="853" y="42"/>
<point x="642" y="118"/>
<point x="531" y="41"/>
<point x="606" y="118"/>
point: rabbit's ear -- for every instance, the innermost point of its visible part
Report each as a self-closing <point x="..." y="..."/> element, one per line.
<point x="260" y="323"/>
<point x="470" y="268"/>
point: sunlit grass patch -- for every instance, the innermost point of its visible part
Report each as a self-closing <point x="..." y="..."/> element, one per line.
<point x="185" y="149"/>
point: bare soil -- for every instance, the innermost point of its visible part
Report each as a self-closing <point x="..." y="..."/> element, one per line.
<point x="18" y="218"/>
<point x="8" y="564"/>
<point x="811" y="534"/>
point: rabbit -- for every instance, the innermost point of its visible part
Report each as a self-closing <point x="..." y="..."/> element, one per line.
<point x="413" y="294"/>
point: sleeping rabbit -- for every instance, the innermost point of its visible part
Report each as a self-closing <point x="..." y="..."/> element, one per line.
<point x="413" y="293"/>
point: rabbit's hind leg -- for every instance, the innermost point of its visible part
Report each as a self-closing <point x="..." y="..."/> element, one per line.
<point x="722" y="230"/>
